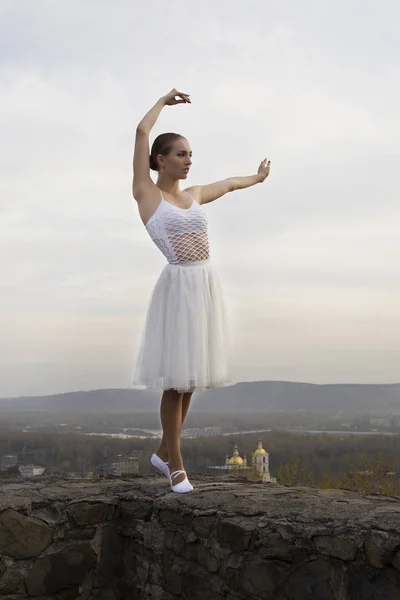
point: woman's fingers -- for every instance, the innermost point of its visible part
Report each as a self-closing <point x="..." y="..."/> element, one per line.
<point x="182" y="100"/>
<point x="264" y="167"/>
<point x="171" y="97"/>
<point x="184" y="96"/>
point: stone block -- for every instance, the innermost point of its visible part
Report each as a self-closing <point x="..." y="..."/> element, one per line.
<point x="396" y="560"/>
<point x="90" y="513"/>
<point x="71" y="594"/>
<point x="363" y="585"/>
<point x="232" y="578"/>
<point x="259" y="579"/>
<point x="218" y="547"/>
<point x="139" y="508"/>
<point x="173" y="582"/>
<point x="373" y="555"/>
<point x="104" y="594"/>
<point x="237" y="531"/>
<point x="196" y="585"/>
<point x="272" y="545"/>
<point x="206" y="559"/>
<point x="169" y="516"/>
<point x="177" y="542"/>
<point x="133" y="528"/>
<point x="51" y="515"/>
<point x="153" y="536"/>
<point x="22" y="536"/>
<point x="337" y="547"/>
<point x="110" y="559"/>
<point x="11" y="581"/>
<point x="204" y="525"/>
<point x="129" y="591"/>
<point x="190" y="551"/>
<point x="60" y="570"/>
<point x="142" y="569"/>
<point x="311" y="581"/>
<point x="82" y="533"/>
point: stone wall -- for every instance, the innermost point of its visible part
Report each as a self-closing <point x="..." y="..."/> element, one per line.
<point x="131" y="539"/>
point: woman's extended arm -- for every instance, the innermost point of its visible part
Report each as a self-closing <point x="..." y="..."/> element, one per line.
<point x="212" y="191"/>
<point x="243" y="182"/>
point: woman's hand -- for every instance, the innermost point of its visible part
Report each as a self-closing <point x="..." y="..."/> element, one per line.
<point x="264" y="168"/>
<point x="148" y="121"/>
<point x="169" y="99"/>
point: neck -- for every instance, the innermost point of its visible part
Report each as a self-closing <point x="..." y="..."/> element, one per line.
<point x="166" y="184"/>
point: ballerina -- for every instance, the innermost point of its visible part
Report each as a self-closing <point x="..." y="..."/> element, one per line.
<point x="185" y="343"/>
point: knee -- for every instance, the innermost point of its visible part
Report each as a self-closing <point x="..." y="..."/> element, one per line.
<point x="180" y="392"/>
<point x="172" y="393"/>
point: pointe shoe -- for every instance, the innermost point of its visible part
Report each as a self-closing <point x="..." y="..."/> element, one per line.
<point x="183" y="486"/>
<point x="156" y="461"/>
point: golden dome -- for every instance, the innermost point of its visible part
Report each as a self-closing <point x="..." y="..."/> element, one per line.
<point x="235" y="459"/>
<point x="260" y="449"/>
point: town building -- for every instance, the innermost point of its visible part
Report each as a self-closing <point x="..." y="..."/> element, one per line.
<point x="8" y="460"/>
<point x="31" y="470"/>
<point x="261" y="464"/>
<point x="387" y="421"/>
<point x="238" y="465"/>
<point x="121" y="465"/>
<point x="235" y="463"/>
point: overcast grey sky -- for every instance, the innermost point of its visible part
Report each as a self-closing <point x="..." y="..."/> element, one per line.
<point x="309" y="259"/>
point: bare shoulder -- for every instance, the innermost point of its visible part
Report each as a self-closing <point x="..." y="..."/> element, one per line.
<point x="144" y="189"/>
<point x="212" y="191"/>
<point x="195" y="191"/>
<point x="148" y="198"/>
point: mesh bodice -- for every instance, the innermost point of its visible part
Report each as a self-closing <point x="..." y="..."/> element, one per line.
<point x="180" y="233"/>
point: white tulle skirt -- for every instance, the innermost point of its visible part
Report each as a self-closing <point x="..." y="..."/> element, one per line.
<point x="186" y="340"/>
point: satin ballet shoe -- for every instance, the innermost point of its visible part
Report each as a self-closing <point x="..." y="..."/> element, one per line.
<point x="183" y="486"/>
<point x="156" y="461"/>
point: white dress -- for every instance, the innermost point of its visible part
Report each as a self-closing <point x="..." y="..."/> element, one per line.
<point x="185" y="343"/>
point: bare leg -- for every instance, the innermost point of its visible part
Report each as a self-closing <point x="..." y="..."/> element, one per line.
<point x="185" y="405"/>
<point x="171" y="419"/>
<point x="162" y="451"/>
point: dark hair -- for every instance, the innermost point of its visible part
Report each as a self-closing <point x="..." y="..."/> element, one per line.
<point x="162" y="145"/>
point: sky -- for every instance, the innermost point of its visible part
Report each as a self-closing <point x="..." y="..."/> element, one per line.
<point x="308" y="259"/>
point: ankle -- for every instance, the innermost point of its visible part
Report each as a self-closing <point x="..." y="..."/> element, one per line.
<point x="163" y="454"/>
<point x="175" y="466"/>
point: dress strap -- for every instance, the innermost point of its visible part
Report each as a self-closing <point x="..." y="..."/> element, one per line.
<point x="190" y="196"/>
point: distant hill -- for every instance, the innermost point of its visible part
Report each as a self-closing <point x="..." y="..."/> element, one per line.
<point x="255" y="396"/>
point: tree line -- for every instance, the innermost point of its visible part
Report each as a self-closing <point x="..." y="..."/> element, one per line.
<point x="370" y="462"/>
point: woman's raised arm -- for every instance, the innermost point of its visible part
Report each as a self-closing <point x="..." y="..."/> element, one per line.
<point x="141" y="155"/>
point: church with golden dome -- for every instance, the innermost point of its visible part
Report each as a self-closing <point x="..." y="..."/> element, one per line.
<point x="238" y="465"/>
<point x="235" y="460"/>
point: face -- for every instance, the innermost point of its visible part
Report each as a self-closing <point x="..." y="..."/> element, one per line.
<point x="178" y="161"/>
